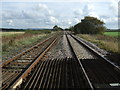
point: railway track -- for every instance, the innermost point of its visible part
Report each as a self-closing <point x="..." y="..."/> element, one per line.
<point x="56" y="73"/>
<point x="101" y="72"/>
<point x="16" y="66"/>
<point x="91" y="73"/>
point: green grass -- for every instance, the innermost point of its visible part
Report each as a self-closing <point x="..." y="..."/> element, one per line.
<point x="115" y="34"/>
<point x="12" y="44"/>
<point x="108" y="43"/>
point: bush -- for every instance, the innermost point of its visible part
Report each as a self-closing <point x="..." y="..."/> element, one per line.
<point x="90" y="25"/>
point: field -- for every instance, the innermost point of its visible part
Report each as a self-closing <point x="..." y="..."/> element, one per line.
<point x="16" y="41"/>
<point x="10" y="33"/>
<point x="115" y="34"/>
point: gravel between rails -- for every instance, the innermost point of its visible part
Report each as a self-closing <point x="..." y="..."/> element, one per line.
<point x="80" y="51"/>
<point x="101" y="51"/>
<point x="60" y="50"/>
<point x="66" y="47"/>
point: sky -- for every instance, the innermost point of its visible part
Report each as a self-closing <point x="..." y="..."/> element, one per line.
<point x="64" y="13"/>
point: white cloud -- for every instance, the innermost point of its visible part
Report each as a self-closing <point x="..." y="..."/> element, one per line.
<point x="110" y="20"/>
<point x="114" y="7"/>
<point x="39" y="15"/>
<point x="53" y="19"/>
<point x="56" y="0"/>
<point x="78" y="12"/>
<point x="44" y="9"/>
<point x="48" y="14"/>
<point x="88" y="8"/>
<point x="10" y="22"/>
<point x="77" y="20"/>
<point x="94" y="14"/>
<point x="69" y="22"/>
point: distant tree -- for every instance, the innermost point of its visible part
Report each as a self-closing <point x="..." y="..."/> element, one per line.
<point x="90" y="25"/>
<point x="71" y="28"/>
<point x="56" y="28"/>
<point x="66" y="29"/>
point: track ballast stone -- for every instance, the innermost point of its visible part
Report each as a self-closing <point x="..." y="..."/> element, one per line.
<point x="80" y="51"/>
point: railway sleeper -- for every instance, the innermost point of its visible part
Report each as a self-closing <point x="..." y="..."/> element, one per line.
<point x="57" y="73"/>
<point x="101" y="73"/>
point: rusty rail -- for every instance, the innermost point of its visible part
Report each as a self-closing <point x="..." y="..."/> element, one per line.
<point x="15" y="57"/>
<point x="23" y="76"/>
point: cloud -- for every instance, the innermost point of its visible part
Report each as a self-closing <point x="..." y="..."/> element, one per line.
<point x="48" y="14"/>
<point x="87" y="9"/>
<point x="53" y="19"/>
<point x="76" y="20"/>
<point x="40" y="15"/>
<point x="56" y="0"/>
<point x="69" y="22"/>
<point x="94" y="14"/>
<point x="111" y="20"/>
<point x="10" y="22"/>
<point x="78" y="12"/>
<point x="113" y="6"/>
<point x="44" y="9"/>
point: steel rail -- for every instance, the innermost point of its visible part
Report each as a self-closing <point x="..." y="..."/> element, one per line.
<point x="86" y="76"/>
<point x="95" y="52"/>
<point x="26" y="73"/>
<point x="20" y="54"/>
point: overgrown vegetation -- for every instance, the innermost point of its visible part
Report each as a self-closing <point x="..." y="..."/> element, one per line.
<point x="89" y="25"/>
<point x="108" y="43"/>
<point x="15" y="41"/>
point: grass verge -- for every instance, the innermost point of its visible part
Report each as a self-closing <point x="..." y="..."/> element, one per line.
<point x="108" y="43"/>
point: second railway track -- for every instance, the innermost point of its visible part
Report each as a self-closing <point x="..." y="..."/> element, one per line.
<point x="16" y="66"/>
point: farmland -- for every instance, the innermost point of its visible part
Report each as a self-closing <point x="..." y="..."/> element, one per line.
<point x="115" y="34"/>
<point x="10" y="33"/>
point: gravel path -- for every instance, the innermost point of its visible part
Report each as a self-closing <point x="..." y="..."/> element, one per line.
<point x="80" y="51"/>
